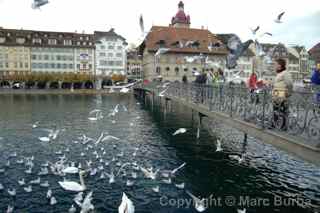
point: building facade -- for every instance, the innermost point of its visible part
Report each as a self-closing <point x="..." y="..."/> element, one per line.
<point x="24" y="51"/>
<point x="110" y="53"/>
<point x="314" y="53"/>
<point x="188" y="50"/>
<point x="134" y="65"/>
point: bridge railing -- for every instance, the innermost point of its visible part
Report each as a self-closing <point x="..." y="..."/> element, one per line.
<point x="298" y="115"/>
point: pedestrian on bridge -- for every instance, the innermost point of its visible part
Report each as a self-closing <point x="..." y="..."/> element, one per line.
<point x="315" y="80"/>
<point x="282" y="90"/>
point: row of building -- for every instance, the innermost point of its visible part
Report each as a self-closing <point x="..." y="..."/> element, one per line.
<point x="104" y="54"/>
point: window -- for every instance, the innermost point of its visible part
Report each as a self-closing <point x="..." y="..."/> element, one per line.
<point x="58" y="66"/>
<point x="119" y="47"/>
<point x="119" y="54"/>
<point x="58" y="57"/>
<point x="40" y="65"/>
<point x="110" y="47"/>
<point x="118" y="63"/>
<point x="167" y="69"/>
<point x="40" y="57"/>
<point x="46" y="57"/>
<point x="36" y="41"/>
<point x="102" y="54"/>
<point x="78" y="66"/>
<point x="110" y="63"/>
<point x="103" y="63"/>
<point x="46" y="65"/>
<point x="21" y="65"/>
<point x="34" y="65"/>
<point x="52" y="41"/>
<point x="185" y="69"/>
<point x="158" y="70"/>
<point x="1" y="65"/>
<point x="15" y="65"/>
<point x="67" y="42"/>
<point x="90" y="66"/>
<point x="34" y="57"/>
<point x="70" y="66"/>
<point x="176" y="70"/>
<point x="102" y="47"/>
<point x="110" y="54"/>
<point x="65" y="66"/>
<point x="52" y="65"/>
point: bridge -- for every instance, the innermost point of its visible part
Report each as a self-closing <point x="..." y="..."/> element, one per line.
<point x="251" y="113"/>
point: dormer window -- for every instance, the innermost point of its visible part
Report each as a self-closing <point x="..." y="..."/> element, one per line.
<point x="67" y="42"/>
<point x="36" y="41"/>
<point x="8" y="34"/>
<point x="2" y="40"/>
<point x="87" y="38"/>
<point x="52" y="41"/>
<point x="20" y="40"/>
<point x="84" y="43"/>
<point x="81" y="38"/>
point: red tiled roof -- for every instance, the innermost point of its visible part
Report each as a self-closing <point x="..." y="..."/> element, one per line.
<point x="314" y="48"/>
<point x="170" y="35"/>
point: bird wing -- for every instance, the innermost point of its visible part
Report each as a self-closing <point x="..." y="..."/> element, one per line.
<point x="231" y="61"/>
<point x="141" y="24"/>
<point x="70" y="185"/>
<point x="280" y="15"/>
<point x="234" y="43"/>
<point x="193" y="197"/>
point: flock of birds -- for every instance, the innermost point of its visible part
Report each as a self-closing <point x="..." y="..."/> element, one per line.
<point x="96" y="164"/>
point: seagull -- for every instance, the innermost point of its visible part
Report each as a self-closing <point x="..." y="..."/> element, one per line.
<point x="53" y="201"/>
<point x="141" y="23"/>
<point x="49" y="193"/>
<point x="10" y="209"/>
<point x="44" y="139"/>
<point x="237" y="158"/>
<point x="241" y="211"/>
<point x="126" y="205"/>
<point x="28" y="189"/>
<point x="199" y="204"/>
<point x="129" y="183"/>
<point x="161" y="51"/>
<point x="180" y="131"/>
<point x="266" y="33"/>
<point x="258" y="48"/>
<point x="35" y="125"/>
<point x="1" y="187"/>
<point x="149" y="174"/>
<point x="236" y="48"/>
<point x="254" y="31"/>
<point x="72" y="209"/>
<point x="12" y="192"/>
<point x="166" y="173"/>
<point x="86" y="206"/>
<point x="21" y="182"/>
<point x="180" y="186"/>
<point x="278" y="20"/>
<point x="111" y="177"/>
<point x="219" y="148"/>
<point x="71" y="170"/>
<point x="45" y="184"/>
<point x="74" y="186"/>
<point x="156" y="189"/>
<point x="167" y="181"/>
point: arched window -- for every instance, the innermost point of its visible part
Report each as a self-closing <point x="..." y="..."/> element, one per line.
<point x="185" y="69"/>
<point x="177" y="70"/>
<point x="167" y="68"/>
<point x="158" y="70"/>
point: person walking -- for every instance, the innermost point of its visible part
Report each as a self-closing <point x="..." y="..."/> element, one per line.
<point x="282" y="90"/>
<point x="315" y="80"/>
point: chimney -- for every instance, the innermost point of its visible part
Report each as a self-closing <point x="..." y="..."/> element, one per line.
<point x="202" y="27"/>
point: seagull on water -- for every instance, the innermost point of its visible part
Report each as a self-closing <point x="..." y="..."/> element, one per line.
<point x="199" y="204"/>
<point x="180" y="131"/>
<point x="126" y="205"/>
<point x="219" y="148"/>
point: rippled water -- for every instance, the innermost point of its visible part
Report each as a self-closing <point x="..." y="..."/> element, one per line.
<point x="266" y="173"/>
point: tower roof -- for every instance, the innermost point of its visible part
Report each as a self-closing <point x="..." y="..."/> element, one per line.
<point x="180" y="17"/>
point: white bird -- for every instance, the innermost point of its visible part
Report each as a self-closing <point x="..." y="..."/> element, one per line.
<point x="161" y="51"/>
<point x="71" y="170"/>
<point x="237" y="158"/>
<point x="20" y="161"/>
<point x="134" y="175"/>
<point x="126" y="205"/>
<point x="78" y="198"/>
<point x="167" y="181"/>
<point x="43" y="171"/>
<point x="53" y="201"/>
<point x="149" y="174"/>
<point x="199" y="204"/>
<point x="28" y="189"/>
<point x="241" y="211"/>
<point x="72" y="209"/>
<point x="111" y="177"/>
<point x="129" y="183"/>
<point x="176" y="169"/>
<point x="2" y="171"/>
<point x="156" y="189"/>
<point x="1" y="187"/>
<point x="36" y="181"/>
<point x="21" y="182"/>
<point x="44" y="139"/>
<point x="10" y="209"/>
<point x="12" y="192"/>
<point x="35" y="125"/>
<point x="180" y="131"/>
<point x="87" y="206"/>
<point x="110" y="137"/>
<point x="278" y="20"/>
<point x="74" y="186"/>
<point x="49" y="193"/>
<point x="180" y="186"/>
<point x="219" y="148"/>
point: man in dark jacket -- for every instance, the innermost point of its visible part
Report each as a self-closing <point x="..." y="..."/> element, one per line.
<point x="201" y="81"/>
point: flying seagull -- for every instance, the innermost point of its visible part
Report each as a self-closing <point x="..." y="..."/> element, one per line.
<point x="141" y="25"/>
<point x="39" y="3"/>
<point x="161" y="51"/>
<point x="236" y="48"/>
<point x="254" y="31"/>
<point x="278" y="20"/>
<point x="179" y="131"/>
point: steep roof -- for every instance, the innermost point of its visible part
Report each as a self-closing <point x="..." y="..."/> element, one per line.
<point x="110" y="33"/>
<point x="314" y="48"/>
<point x="170" y="37"/>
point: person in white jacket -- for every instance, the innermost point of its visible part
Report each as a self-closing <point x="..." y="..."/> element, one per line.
<point x="282" y="90"/>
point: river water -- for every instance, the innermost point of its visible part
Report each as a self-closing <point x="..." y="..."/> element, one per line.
<point x="267" y="181"/>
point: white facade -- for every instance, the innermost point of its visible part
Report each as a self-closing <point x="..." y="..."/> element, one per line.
<point x="110" y="56"/>
<point x="242" y="71"/>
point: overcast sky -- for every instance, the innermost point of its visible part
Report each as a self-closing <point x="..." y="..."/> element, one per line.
<point x="301" y="20"/>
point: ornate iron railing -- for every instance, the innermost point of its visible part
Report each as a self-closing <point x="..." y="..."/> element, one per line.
<point x="297" y="115"/>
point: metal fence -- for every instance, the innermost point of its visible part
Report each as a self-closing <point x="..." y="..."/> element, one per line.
<point x="297" y="115"/>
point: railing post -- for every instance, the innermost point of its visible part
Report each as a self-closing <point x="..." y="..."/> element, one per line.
<point x="264" y="107"/>
<point x="231" y="99"/>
